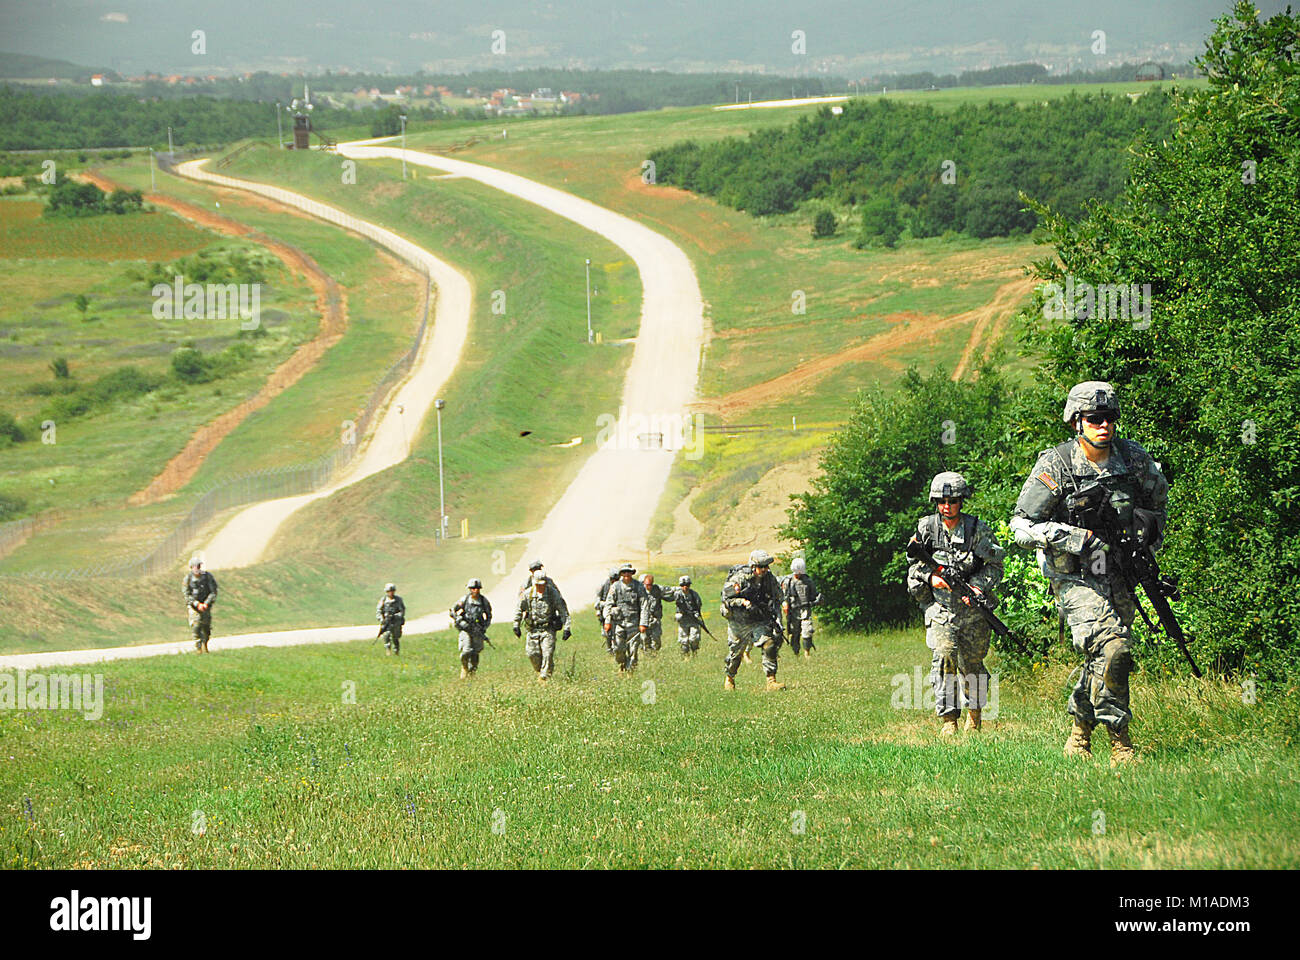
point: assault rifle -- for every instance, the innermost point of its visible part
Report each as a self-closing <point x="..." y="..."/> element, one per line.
<point x="1091" y="509"/>
<point x="460" y="622"/>
<point x="980" y="603"/>
<point x="698" y="617"/>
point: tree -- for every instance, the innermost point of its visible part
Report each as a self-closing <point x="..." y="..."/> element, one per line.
<point x="59" y="367"/>
<point x="880" y="223"/>
<point x="823" y="224"/>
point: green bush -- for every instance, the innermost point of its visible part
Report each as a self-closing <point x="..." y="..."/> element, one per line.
<point x="191" y="366"/>
<point x="880" y="224"/>
<point x="823" y="224"/>
<point x="122" y="385"/>
<point x="10" y="430"/>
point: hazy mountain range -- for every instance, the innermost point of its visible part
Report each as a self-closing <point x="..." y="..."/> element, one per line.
<point x="849" y="38"/>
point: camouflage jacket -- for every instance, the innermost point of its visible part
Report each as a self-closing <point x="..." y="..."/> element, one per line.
<point x="690" y="605"/>
<point x="390" y="609"/>
<point x="471" y="615"/>
<point x="540" y="612"/>
<point x="200" y="589"/>
<point x="751" y="599"/>
<point x="601" y="594"/>
<point x="655" y="597"/>
<point x="1041" y="519"/>
<point x="628" y="604"/>
<point x="552" y="591"/>
<point x="969" y="548"/>
<point x="799" y="592"/>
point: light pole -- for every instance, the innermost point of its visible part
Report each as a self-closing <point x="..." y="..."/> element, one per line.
<point x="171" y="153"/>
<point x="442" y="504"/>
<point x="589" y="299"/>
<point x="403" y="118"/>
<point x="279" y="130"/>
<point x="153" y="184"/>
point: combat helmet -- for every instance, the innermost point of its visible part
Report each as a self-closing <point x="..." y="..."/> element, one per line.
<point x="626" y="568"/>
<point x="474" y="582"/>
<point x="949" y="484"/>
<point x="683" y="581"/>
<point x="760" y="558"/>
<point x="1088" y="397"/>
<point x="798" y="565"/>
<point x="390" y="586"/>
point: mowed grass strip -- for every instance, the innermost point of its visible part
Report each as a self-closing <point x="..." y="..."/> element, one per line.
<point x="259" y="759"/>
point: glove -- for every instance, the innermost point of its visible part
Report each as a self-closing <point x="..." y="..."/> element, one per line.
<point x="516" y="629"/>
<point x="567" y="634"/>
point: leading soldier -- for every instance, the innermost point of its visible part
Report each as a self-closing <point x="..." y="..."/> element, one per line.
<point x="391" y="614"/>
<point x="1090" y="591"/>
<point x="751" y="603"/>
<point x="538" y="611"/>
<point x="200" y="591"/>
<point x="472" y="615"/>
<point x="956" y="633"/>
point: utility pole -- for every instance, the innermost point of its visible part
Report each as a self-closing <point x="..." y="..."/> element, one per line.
<point x="153" y="184"/>
<point x="171" y="153"/>
<point x="403" y="116"/>
<point x="589" y="299"/>
<point x="279" y="130"/>
<point x="442" y="503"/>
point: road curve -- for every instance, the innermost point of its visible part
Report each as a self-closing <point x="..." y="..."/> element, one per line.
<point x="605" y="512"/>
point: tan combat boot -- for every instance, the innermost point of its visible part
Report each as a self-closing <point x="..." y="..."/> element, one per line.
<point x="745" y="656"/>
<point x="807" y="654"/>
<point x="1079" y="743"/>
<point x="464" y="671"/>
<point x="774" y="684"/>
<point x="729" y="683"/>
<point x="972" y="720"/>
<point x="949" y="728"/>
<point x="1121" y="747"/>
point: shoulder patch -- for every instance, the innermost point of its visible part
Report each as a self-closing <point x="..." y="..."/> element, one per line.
<point x="1048" y="482"/>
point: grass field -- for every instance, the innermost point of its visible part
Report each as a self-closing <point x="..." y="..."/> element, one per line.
<point x="260" y="759"/>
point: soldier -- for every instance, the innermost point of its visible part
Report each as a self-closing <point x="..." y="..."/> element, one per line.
<point x="751" y="599"/>
<point x="1089" y="591"/>
<point x="599" y="608"/>
<point x="391" y="614"/>
<point x="552" y="590"/>
<point x="689" y="616"/>
<point x="200" y="594"/>
<point x="472" y="615"/>
<point x="954" y="631"/>
<point x="799" y="594"/>
<point x="654" y="630"/>
<point x="538" y="611"/>
<point x="627" y="615"/>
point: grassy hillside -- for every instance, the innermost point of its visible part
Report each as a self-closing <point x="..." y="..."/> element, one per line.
<point x="339" y="757"/>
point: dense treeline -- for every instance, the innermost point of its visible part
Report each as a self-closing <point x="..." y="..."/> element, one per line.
<point x="928" y="171"/>
<point x="1211" y="219"/>
<point x="1015" y="73"/>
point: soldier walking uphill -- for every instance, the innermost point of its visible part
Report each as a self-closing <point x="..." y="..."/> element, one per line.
<point x="798" y="595"/>
<point x="627" y="615"/>
<point x="552" y="590"/>
<point x="538" y="612"/>
<point x="200" y="594"/>
<point x="690" y="616"/>
<point x="1091" y="591"/>
<point x="955" y="631"/>
<point x="391" y="614"/>
<point x="654" y="628"/>
<point x="472" y="615"/>
<point x="599" y="608"/>
<point x="751" y="603"/>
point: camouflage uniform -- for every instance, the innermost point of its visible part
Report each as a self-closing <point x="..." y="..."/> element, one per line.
<point x="690" y="606"/>
<point x="800" y="594"/>
<point x="1091" y="594"/>
<point x="751" y="625"/>
<point x="552" y="593"/>
<point x="954" y="631"/>
<point x="654" y="631"/>
<point x="599" y="608"/>
<point x="543" y="617"/>
<point x="627" y="607"/>
<point x="391" y="614"/>
<point x="473" y="616"/>
<point x="200" y="589"/>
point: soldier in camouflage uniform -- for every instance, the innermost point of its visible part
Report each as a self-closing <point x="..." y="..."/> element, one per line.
<point x="954" y="630"/>
<point x="552" y="591"/>
<point x="599" y="608"/>
<point x="627" y="615"/>
<point x="200" y="591"/>
<point x="689" y="616"/>
<point x="472" y="615"/>
<point x="654" y="630"/>
<point x="391" y="614"/>
<point x="1090" y="591"/>
<point x="538" y="611"/>
<point x="751" y="603"/>
<point x="799" y="594"/>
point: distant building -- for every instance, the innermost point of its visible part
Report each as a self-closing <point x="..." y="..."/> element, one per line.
<point x="97" y="80"/>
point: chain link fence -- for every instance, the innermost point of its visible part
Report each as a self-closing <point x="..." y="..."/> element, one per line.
<point x="271" y="483"/>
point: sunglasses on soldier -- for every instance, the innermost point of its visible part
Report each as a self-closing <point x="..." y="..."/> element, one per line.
<point x="1101" y="416"/>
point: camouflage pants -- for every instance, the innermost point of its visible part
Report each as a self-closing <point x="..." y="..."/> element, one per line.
<point x="626" y="644"/>
<point x="540" y="647"/>
<point x="688" y="635"/>
<point x="742" y="636"/>
<point x="391" y="634"/>
<point x="1100" y="614"/>
<point x="200" y="625"/>
<point x="801" y="627"/>
<point x="959" y="642"/>
<point x="654" y="635"/>
<point x="470" y="646"/>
